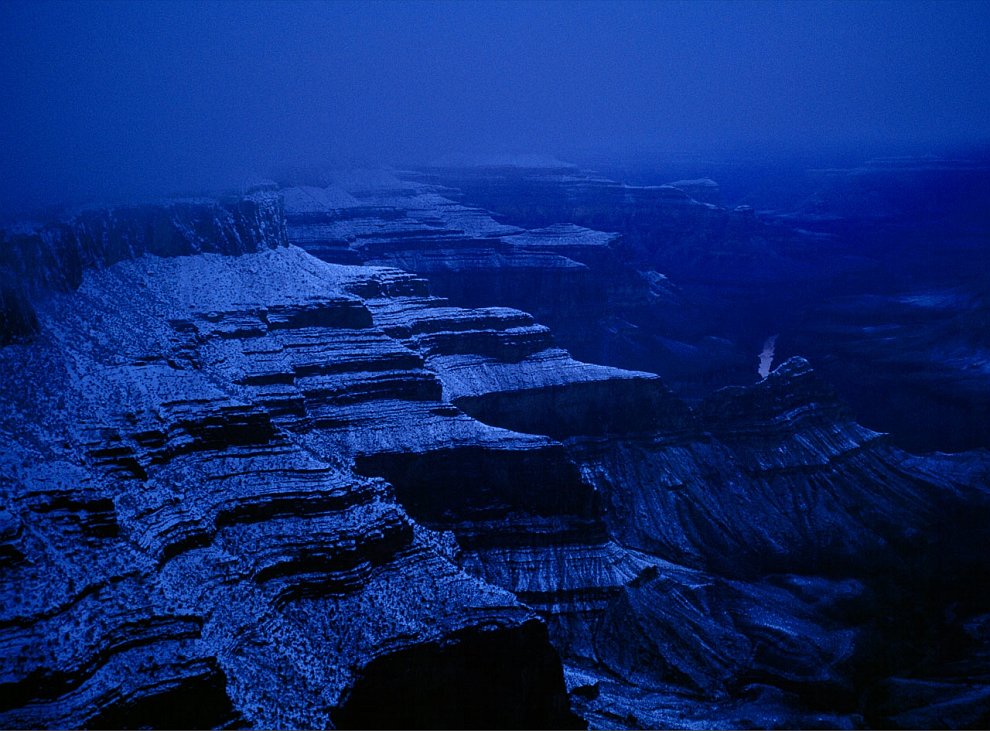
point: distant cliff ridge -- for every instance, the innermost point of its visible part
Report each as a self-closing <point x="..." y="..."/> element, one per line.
<point x="55" y="255"/>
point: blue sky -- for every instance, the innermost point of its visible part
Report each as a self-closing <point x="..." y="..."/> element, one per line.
<point x="119" y="98"/>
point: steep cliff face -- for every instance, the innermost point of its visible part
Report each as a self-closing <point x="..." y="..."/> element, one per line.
<point x="185" y="541"/>
<point x="54" y="256"/>
<point x="878" y="277"/>
<point x="746" y="538"/>
<point x="640" y="277"/>
<point x="800" y="544"/>
<point x="245" y="486"/>
<point x="378" y="219"/>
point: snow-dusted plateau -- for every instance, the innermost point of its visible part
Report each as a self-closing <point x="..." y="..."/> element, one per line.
<point x="488" y="447"/>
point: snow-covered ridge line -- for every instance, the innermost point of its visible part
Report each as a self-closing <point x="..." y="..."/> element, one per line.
<point x="53" y="256"/>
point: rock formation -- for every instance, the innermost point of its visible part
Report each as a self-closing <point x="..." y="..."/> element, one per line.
<point x="250" y="484"/>
<point x="186" y="542"/>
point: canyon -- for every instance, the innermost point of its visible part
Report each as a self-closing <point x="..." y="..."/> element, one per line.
<point x="486" y="446"/>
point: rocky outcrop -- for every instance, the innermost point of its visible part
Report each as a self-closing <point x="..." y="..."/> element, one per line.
<point x="186" y="541"/>
<point x="54" y="256"/>
<point x="577" y="280"/>
<point x="914" y="361"/>
<point x="770" y="487"/>
<point x="467" y="255"/>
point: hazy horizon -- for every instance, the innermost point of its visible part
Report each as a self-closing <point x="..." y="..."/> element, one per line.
<point x="115" y="99"/>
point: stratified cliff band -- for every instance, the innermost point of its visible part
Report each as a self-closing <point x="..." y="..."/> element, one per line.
<point x="255" y="474"/>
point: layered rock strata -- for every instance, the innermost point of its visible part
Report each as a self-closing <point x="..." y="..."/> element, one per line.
<point x="246" y="486"/>
<point x="185" y="541"/>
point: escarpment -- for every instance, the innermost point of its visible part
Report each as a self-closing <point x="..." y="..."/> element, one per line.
<point x="591" y="262"/>
<point x="745" y="537"/>
<point x="555" y="273"/>
<point x="763" y="534"/>
<point x="185" y="540"/>
<point x="243" y="484"/>
<point x="53" y="256"/>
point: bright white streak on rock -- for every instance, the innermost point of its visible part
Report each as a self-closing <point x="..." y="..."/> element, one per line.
<point x="766" y="356"/>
